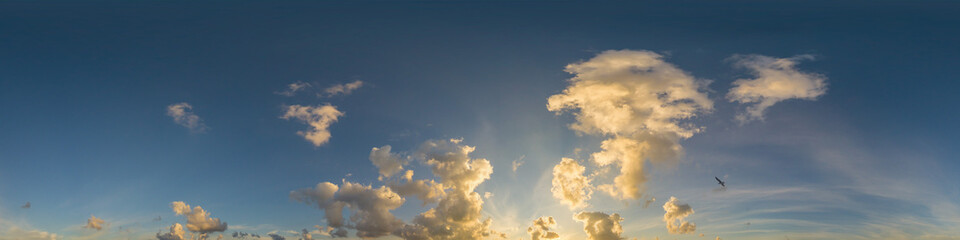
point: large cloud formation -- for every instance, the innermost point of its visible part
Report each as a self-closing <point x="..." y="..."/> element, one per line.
<point x="570" y="186"/>
<point x="637" y="100"/>
<point x="182" y="113"/>
<point x="198" y="220"/>
<point x="776" y="79"/>
<point x="600" y="226"/>
<point x="94" y="223"/>
<point x="674" y="217"/>
<point x="319" y="118"/>
<point x="541" y="229"/>
<point x="457" y="214"/>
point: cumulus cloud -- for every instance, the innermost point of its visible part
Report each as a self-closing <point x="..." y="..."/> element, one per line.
<point x="182" y="113"/>
<point x="319" y="118"/>
<point x="388" y="163"/>
<point x="600" y="226"/>
<point x="344" y="89"/>
<point x="458" y="210"/>
<point x="198" y="220"/>
<point x="370" y="207"/>
<point x="428" y="191"/>
<point x="458" y="213"/>
<point x="293" y="88"/>
<point x="570" y="186"/>
<point x="94" y="223"/>
<point x="638" y="101"/>
<point x="775" y="80"/>
<point x="275" y="236"/>
<point x="674" y="217"/>
<point x="541" y="229"/>
<point x="176" y="233"/>
<point x="451" y="161"/>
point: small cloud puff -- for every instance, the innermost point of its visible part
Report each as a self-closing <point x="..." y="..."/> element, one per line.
<point x="341" y="89"/>
<point x="674" y="217"/>
<point x="94" y="223"/>
<point x="319" y="118"/>
<point x="182" y="113"/>
<point x="570" y="186"/>
<point x="293" y="88"/>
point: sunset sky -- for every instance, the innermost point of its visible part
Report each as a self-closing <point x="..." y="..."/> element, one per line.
<point x="479" y="120"/>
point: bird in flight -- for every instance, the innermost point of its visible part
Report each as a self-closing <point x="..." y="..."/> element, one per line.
<point x="722" y="184"/>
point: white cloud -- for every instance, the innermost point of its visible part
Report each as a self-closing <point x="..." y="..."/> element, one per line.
<point x="198" y="220"/>
<point x="388" y="163"/>
<point x="541" y="229"/>
<point x="674" y="217"/>
<point x="458" y="215"/>
<point x="776" y="79"/>
<point x="94" y="223"/>
<point x="293" y="88"/>
<point x="637" y="100"/>
<point x="344" y="89"/>
<point x="319" y="118"/>
<point x="570" y="186"/>
<point x="600" y="226"/>
<point x="182" y="113"/>
<point x="370" y="207"/>
<point x="458" y="210"/>
<point x="176" y="233"/>
<point x="451" y="162"/>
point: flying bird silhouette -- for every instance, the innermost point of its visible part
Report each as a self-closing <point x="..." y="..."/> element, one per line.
<point x="723" y="184"/>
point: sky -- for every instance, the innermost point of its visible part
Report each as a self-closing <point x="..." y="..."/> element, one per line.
<point x="479" y="120"/>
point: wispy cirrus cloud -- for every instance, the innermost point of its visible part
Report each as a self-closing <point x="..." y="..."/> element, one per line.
<point x="293" y="88"/>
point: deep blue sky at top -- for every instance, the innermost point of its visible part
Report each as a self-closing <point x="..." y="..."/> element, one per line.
<point x="84" y="85"/>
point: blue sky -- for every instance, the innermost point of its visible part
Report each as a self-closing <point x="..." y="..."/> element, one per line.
<point x="85" y="89"/>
